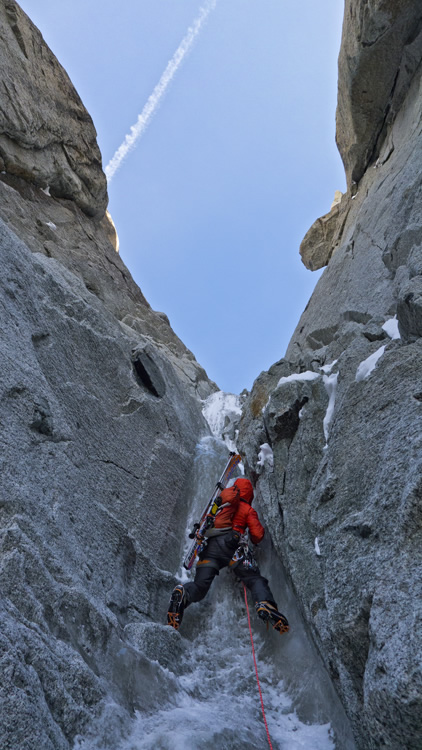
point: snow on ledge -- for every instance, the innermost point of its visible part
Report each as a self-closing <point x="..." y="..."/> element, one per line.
<point x="368" y="365"/>
<point x="391" y="327"/>
<point x="298" y="376"/>
<point x="265" y="456"/>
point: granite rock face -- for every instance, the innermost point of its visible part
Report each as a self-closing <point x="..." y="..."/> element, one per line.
<point x="380" y="53"/>
<point x="324" y="236"/>
<point x="46" y="135"/>
<point x="342" y="415"/>
<point x="379" y="58"/>
<point x="53" y="190"/>
<point x="100" y="413"/>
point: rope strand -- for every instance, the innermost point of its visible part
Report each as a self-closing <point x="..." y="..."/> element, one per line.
<point x="256" y="669"/>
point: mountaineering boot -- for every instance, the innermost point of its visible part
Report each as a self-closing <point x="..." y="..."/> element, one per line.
<point x="176" y="607"/>
<point x="269" y="613"/>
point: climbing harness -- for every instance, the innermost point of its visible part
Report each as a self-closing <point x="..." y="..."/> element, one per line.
<point x="256" y="668"/>
<point x="244" y="555"/>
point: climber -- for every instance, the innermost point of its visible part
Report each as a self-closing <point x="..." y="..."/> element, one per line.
<point x="225" y="548"/>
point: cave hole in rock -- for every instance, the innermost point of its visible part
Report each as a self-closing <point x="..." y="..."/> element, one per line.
<point x="148" y="374"/>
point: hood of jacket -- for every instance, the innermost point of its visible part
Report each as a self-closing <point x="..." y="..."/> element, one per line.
<point x="245" y="489"/>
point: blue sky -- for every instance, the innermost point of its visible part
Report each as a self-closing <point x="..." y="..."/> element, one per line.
<point x="236" y="164"/>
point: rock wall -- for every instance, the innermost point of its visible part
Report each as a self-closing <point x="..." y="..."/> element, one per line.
<point x="343" y="496"/>
<point x="100" y="412"/>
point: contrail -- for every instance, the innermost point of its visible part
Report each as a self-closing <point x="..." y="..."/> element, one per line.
<point x="153" y="101"/>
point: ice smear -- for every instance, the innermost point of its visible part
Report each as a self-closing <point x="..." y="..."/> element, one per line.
<point x="298" y="376"/>
<point x="265" y="456"/>
<point x="330" y="382"/>
<point x="220" y="409"/>
<point x="317" y="549"/>
<point x="368" y="365"/>
<point x="391" y="327"/>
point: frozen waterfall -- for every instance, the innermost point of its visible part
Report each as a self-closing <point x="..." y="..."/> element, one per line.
<point x="200" y="689"/>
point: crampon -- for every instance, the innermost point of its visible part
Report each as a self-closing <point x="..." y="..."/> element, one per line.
<point x="269" y="614"/>
<point x="176" y="607"/>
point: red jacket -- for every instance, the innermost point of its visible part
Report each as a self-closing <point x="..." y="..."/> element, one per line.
<point x="246" y="517"/>
<point x="239" y="515"/>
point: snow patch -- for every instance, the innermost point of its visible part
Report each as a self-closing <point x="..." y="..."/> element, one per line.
<point x="368" y="365"/>
<point x="330" y="383"/>
<point x="317" y="549"/>
<point x="265" y="456"/>
<point x="298" y="376"/>
<point x="51" y="225"/>
<point x="46" y="190"/>
<point x="391" y="327"/>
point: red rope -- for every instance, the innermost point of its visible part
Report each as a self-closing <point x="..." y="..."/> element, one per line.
<point x="256" y="669"/>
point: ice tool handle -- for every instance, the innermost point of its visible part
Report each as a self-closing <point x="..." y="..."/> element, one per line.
<point x="210" y="511"/>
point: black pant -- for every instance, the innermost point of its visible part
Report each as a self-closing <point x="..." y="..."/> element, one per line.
<point x="217" y="555"/>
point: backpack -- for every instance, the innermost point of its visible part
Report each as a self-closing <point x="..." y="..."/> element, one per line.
<point x="230" y="498"/>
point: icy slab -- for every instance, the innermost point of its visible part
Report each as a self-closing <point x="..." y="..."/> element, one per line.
<point x="265" y="456"/>
<point x="368" y="365"/>
<point x="215" y="703"/>
<point x="217" y="407"/>
<point x="197" y="725"/>
<point x="298" y="376"/>
<point x="391" y="327"/>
